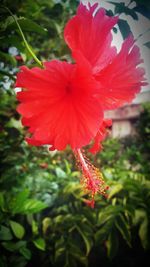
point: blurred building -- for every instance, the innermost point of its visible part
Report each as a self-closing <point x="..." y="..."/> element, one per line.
<point x="124" y="118"/>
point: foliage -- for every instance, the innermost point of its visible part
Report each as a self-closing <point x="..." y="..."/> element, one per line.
<point x="44" y="214"/>
<point x="44" y="219"/>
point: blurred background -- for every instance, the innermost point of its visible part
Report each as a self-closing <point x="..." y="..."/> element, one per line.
<point x="44" y="219"/>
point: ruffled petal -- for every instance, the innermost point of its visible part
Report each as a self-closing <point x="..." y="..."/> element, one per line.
<point x="58" y="104"/>
<point x="90" y="34"/>
<point x="122" y="79"/>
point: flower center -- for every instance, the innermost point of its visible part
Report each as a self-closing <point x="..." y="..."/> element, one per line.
<point x="92" y="179"/>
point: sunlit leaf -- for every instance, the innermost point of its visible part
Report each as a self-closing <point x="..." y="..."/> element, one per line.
<point x="17" y="229"/>
<point x="18" y="204"/>
<point x="34" y="227"/>
<point x="40" y="243"/>
<point x="115" y="190"/>
<point x="33" y="206"/>
<point x="46" y="223"/>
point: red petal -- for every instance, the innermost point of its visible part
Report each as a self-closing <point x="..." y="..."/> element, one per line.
<point x="59" y="104"/>
<point x="90" y="34"/>
<point x="125" y="78"/>
<point x="100" y="136"/>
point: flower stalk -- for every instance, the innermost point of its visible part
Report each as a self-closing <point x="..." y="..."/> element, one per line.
<point x="24" y="39"/>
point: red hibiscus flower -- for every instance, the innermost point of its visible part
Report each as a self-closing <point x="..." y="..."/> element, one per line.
<point x="63" y="103"/>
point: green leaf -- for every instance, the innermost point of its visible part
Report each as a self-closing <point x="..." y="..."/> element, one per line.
<point x="139" y="216"/>
<point x="121" y="8"/>
<point x="45" y="224"/>
<point x="115" y="189"/>
<point x="40" y="243"/>
<point x="123" y="228"/>
<point x="27" y="25"/>
<point x="8" y="58"/>
<point x="17" y="229"/>
<point x="76" y="252"/>
<point x="5" y="233"/>
<point x="124" y="28"/>
<point x="60" y="173"/>
<point x="25" y="252"/>
<point x="33" y="206"/>
<point x="109" y="13"/>
<point x="24" y="205"/>
<point x="144" y="233"/>
<point x="34" y="227"/>
<point x="101" y="234"/>
<point x="1" y="201"/>
<point x="87" y="242"/>
<point x="68" y="167"/>
<point x="112" y="244"/>
<point x="13" y="41"/>
<point x="59" y="252"/>
<point x="59" y="248"/>
<point x="18" y="204"/>
<point x="12" y="246"/>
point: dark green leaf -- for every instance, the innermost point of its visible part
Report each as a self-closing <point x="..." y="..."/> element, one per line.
<point x="8" y="58"/>
<point x="145" y="3"/>
<point x="27" y="25"/>
<point x="143" y="10"/>
<point x="112" y="244"/>
<point x="121" y="8"/>
<point x="144" y="233"/>
<point x="86" y="240"/>
<point x="123" y="228"/>
<point x="109" y="13"/>
<point x="1" y="201"/>
<point x="77" y="253"/>
<point x="124" y="28"/>
<point x="101" y="234"/>
<point x="12" y="246"/>
<point x="5" y="233"/>
<point x="147" y="44"/>
<point x="25" y="252"/>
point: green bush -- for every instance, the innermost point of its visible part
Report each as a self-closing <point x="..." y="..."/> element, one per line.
<point x="44" y="218"/>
